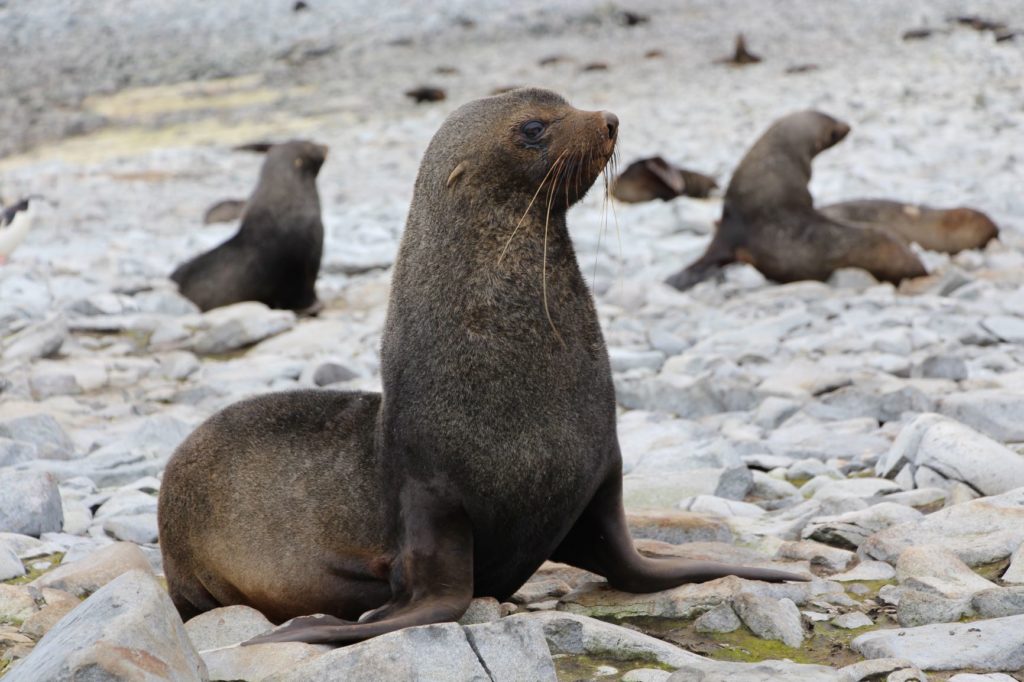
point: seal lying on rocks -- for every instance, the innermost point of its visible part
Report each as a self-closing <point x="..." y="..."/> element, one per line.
<point x="769" y="219"/>
<point x="274" y="257"/>
<point x="949" y="230"/>
<point x="493" y="445"/>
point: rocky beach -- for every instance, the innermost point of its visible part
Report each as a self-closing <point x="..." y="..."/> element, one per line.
<point x="868" y="436"/>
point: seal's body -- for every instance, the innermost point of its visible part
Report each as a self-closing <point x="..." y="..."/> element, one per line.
<point x="493" y="446"/>
<point x="274" y="257"/>
<point x="948" y="230"/>
<point x="769" y="219"/>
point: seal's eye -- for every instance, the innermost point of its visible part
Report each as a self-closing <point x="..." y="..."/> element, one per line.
<point x="532" y="130"/>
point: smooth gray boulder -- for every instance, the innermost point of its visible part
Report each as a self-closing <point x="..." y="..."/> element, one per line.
<point x="997" y="413"/>
<point x="42" y="431"/>
<point x="983" y="645"/>
<point x="128" y="630"/>
<point x="226" y="626"/>
<point x="777" y="619"/>
<point x="512" y="649"/>
<point x="29" y="503"/>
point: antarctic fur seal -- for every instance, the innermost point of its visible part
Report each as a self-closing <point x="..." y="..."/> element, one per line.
<point x="949" y="230"/>
<point x="493" y="445"/>
<point x="769" y="219"/>
<point x="274" y="257"/>
<point x="655" y="178"/>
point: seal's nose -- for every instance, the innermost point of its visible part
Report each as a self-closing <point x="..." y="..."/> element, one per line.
<point x="612" y="121"/>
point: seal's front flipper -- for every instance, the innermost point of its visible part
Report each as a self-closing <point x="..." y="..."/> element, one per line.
<point x="600" y="542"/>
<point x="431" y="578"/>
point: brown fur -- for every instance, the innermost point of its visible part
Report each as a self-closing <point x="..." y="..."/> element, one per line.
<point x="948" y="230"/>
<point x="492" y="447"/>
<point x="770" y="215"/>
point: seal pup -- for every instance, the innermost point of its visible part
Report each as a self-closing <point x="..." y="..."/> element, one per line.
<point x="274" y="257"/>
<point x="769" y="219"/>
<point x="493" y="445"/>
<point x="656" y="178"/>
<point x="948" y="230"/>
<point x="741" y="56"/>
<point x="15" y="222"/>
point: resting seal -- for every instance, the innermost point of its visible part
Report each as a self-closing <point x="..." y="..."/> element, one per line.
<point x="769" y="218"/>
<point x="274" y="257"/>
<point x="949" y="230"/>
<point x="493" y="446"/>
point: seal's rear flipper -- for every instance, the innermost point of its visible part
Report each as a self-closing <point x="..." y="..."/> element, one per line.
<point x="705" y="267"/>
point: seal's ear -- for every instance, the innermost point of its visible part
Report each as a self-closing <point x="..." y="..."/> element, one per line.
<point x="456" y="174"/>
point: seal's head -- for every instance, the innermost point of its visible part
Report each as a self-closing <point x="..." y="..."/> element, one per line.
<point x="303" y="156"/>
<point x="809" y="132"/>
<point x="520" y="146"/>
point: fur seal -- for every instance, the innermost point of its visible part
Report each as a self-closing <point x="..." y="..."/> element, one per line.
<point x="656" y="178"/>
<point x="769" y="218"/>
<point x="949" y="230"/>
<point x="741" y="56"/>
<point x="493" y="445"/>
<point x="275" y="255"/>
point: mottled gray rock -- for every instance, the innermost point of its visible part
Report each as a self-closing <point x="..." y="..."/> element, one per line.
<point x="483" y="610"/>
<point x="817" y="553"/>
<point x="577" y="635"/>
<point x="996" y="413"/>
<point x="864" y="488"/>
<point x="39" y="340"/>
<point x="955" y="452"/>
<point x="512" y="649"/>
<point x="138" y="528"/>
<point x="775" y="410"/>
<point x="10" y="564"/>
<point x="88" y="575"/>
<point x="777" y="619"/>
<point x="649" y="491"/>
<point x="709" y="504"/>
<point x="941" y="367"/>
<point x="105" y="636"/>
<point x="164" y="302"/>
<point x="851" y="529"/>
<point x="722" y="618"/>
<point x="14" y="452"/>
<point x="873" y="670"/>
<point x="998" y="602"/>
<point x="646" y="675"/>
<point x="765" y="671"/>
<point x="105" y="303"/>
<point x="1006" y="327"/>
<point x="418" y="654"/>
<point x="127" y="502"/>
<point x="788" y="523"/>
<point x="931" y="568"/>
<point x="866" y="570"/>
<point x="851" y="278"/>
<point x="996" y="644"/>
<point x="43" y="431"/>
<point x="240" y="325"/>
<point x="979" y="677"/>
<point x="16" y="603"/>
<point x="1014" y="573"/>
<point x="677" y="527"/>
<point x="979" y="532"/>
<point x="540" y="590"/>
<point x="226" y="626"/>
<point x="852" y="621"/>
<point x="259" y="661"/>
<point x="29" y="503"/>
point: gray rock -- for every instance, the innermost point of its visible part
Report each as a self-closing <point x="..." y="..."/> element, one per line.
<point x="418" y="654"/>
<point x="997" y="413"/>
<point x="1007" y="328"/>
<point x="775" y="410"/>
<point x="40" y="340"/>
<point x="765" y="671"/>
<point x="576" y="635"/>
<point x="998" y="602"/>
<point x="43" y="431"/>
<point x="512" y="649"/>
<point x="853" y="528"/>
<point x="1014" y="573"/>
<point x="623" y="360"/>
<point x="955" y="452"/>
<point x="45" y="385"/>
<point x="105" y="637"/>
<point x="719" y="619"/>
<point x="104" y="303"/>
<point x="852" y="621"/>
<point x="138" y="528"/>
<point x="29" y="503"/>
<point x="10" y="564"/>
<point x="650" y="491"/>
<point x="164" y="302"/>
<point x="976" y="677"/>
<point x="540" y="589"/>
<point x="85" y="576"/>
<point x="931" y="568"/>
<point x="866" y="570"/>
<point x="331" y="373"/>
<point x="777" y="619"/>
<point x="851" y="278"/>
<point x="14" y="452"/>
<point x="16" y="603"/>
<point x="483" y="610"/>
<point x="259" y="661"/>
<point x="817" y="553"/>
<point x="718" y="506"/>
<point x="646" y="675"/>
<point x="872" y="670"/>
<point x="983" y="645"/>
<point x="226" y="626"/>
<point x="941" y="367"/>
<point x="677" y="527"/>
<point x="240" y="325"/>
<point x="979" y="532"/>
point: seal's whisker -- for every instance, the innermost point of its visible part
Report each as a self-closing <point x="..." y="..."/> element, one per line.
<point x="529" y="206"/>
<point x="544" y="266"/>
